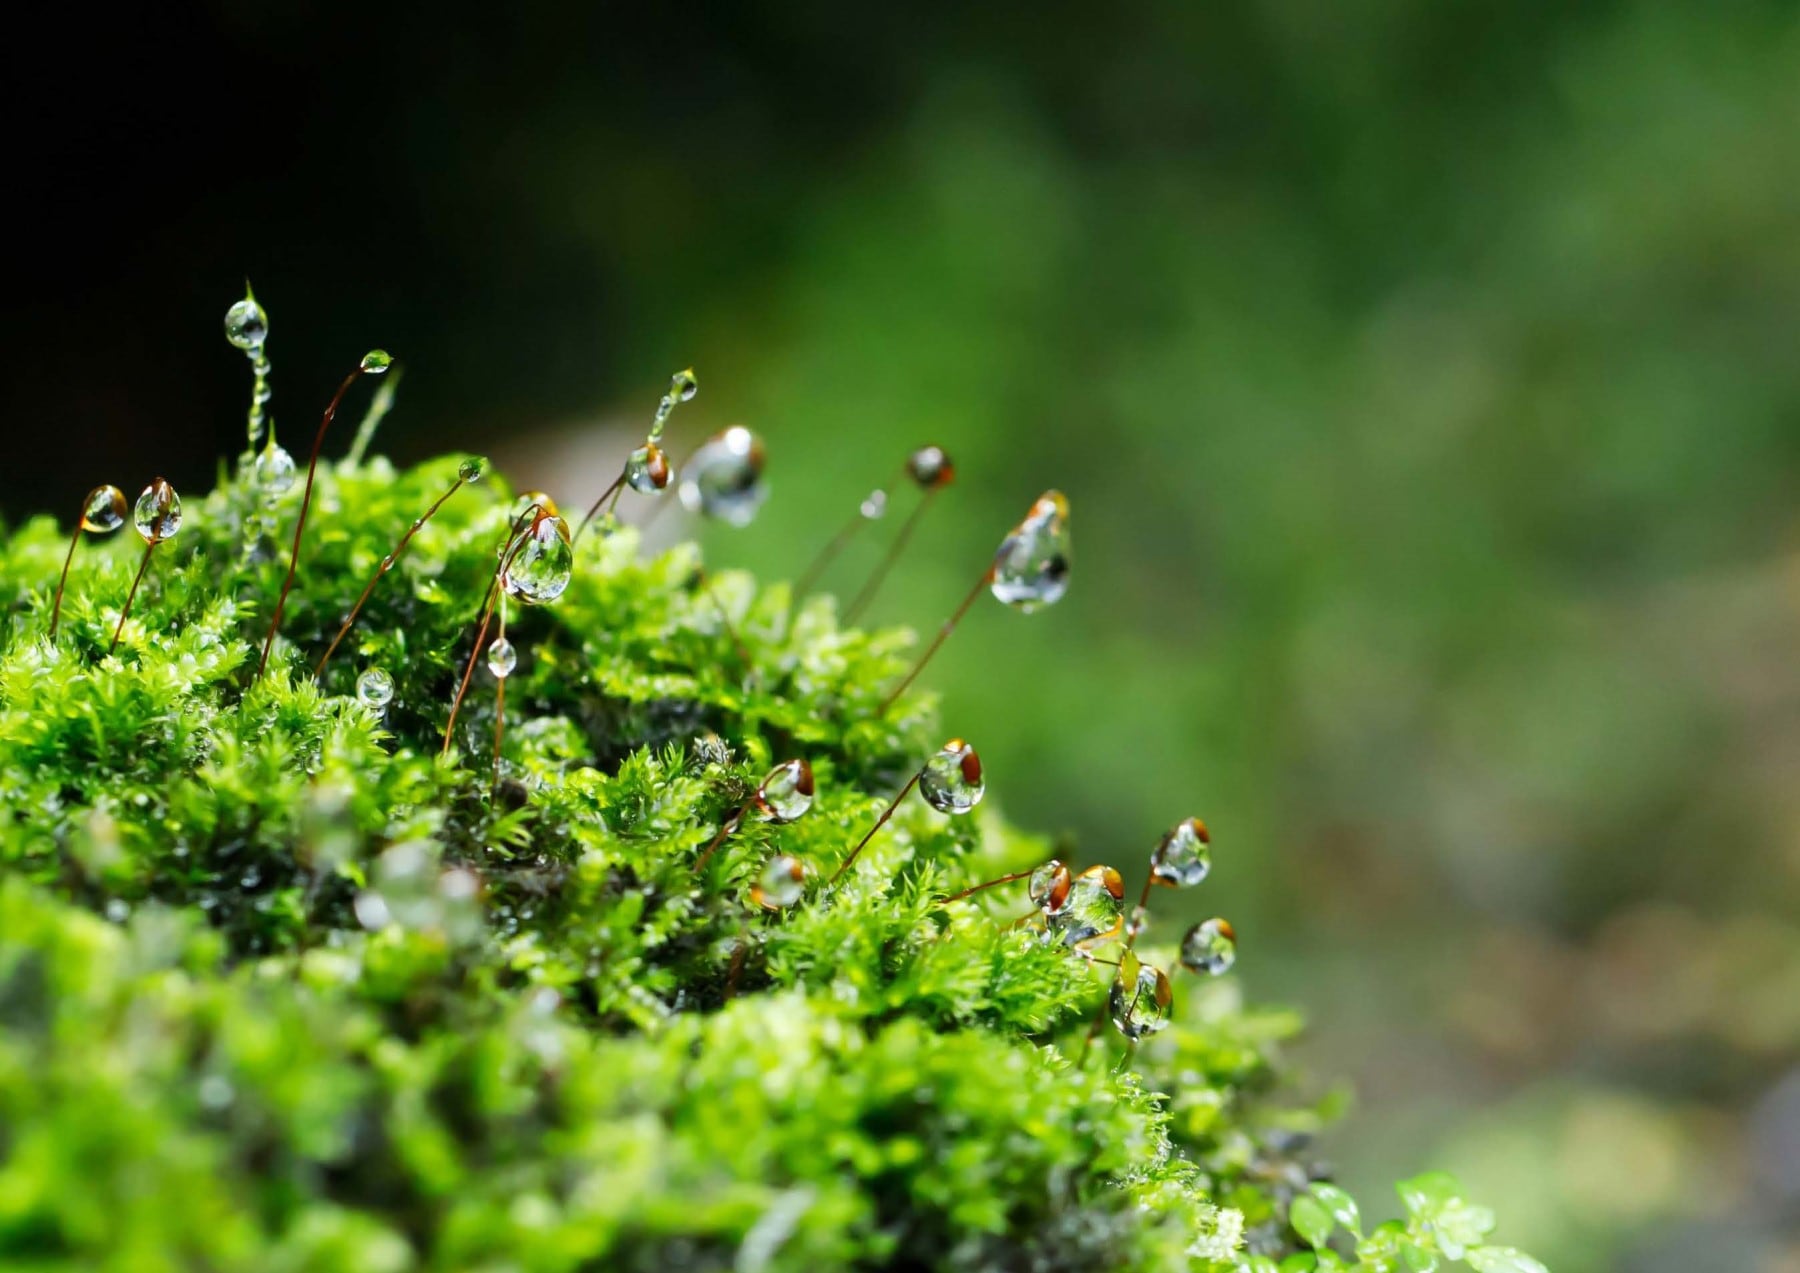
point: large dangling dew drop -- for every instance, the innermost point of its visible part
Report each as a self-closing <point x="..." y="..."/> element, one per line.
<point x="1049" y="886"/>
<point x="780" y="884"/>
<point x="1209" y="947"/>
<point x="375" y="689"/>
<point x="723" y="480"/>
<point x="502" y="658"/>
<point x="951" y="780"/>
<point x="1031" y="569"/>
<point x="275" y="471"/>
<point x="104" y="510"/>
<point x="787" y="792"/>
<point x="1093" y="911"/>
<point x="539" y="567"/>
<point x="1184" y="856"/>
<point x="1140" y="999"/>
<point x="647" y="469"/>
<point x="157" y="514"/>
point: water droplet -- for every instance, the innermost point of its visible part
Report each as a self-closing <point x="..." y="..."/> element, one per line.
<point x="874" y="506"/>
<point x="1140" y="998"/>
<point x="781" y="883"/>
<point x="951" y="780"/>
<point x="104" y="511"/>
<point x="1031" y="569"/>
<point x="118" y="910"/>
<point x="683" y="385"/>
<point x="930" y="467"/>
<point x="787" y="793"/>
<point x="542" y="502"/>
<point x="247" y="324"/>
<point x="1209" y="947"/>
<point x="647" y="469"/>
<point x="1184" y="856"/>
<point x="1094" y="909"/>
<point x="376" y="362"/>
<point x="375" y="689"/>
<point x="274" y="471"/>
<point x="502" y="658"/>
<point x="724" y="479"/>
<point x="157" y="515"/>
<point x="541" y="563"/>
<point x="1049" y="886"/>
<point x="371" y="910"/>
<point x="472" y="469"/>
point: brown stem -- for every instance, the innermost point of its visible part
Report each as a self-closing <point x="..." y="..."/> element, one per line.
<point x="969" y="892"/>
<point x="879" y="823"/>
<point x="312" y="465"/>
<point x="56" y="610"/>
<point x="888" y="559"/>
<point x="387" y="564"/>
<point x="615" y="490"/>
<point x="987" y="577"/>
<point x="731" y="824"/>
<point x="144" y="565"/>
<point x="508" y="551"/>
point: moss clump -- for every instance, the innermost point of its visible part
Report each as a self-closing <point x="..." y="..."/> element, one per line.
<point x="282" y="988"/>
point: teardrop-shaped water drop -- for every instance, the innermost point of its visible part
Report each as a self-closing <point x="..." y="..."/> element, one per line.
<point x="376" y="362"/>
<point x="157" y="514"/>
<point x="1140" y="998"/>
<point x="1049" y="886"/>
<point x="540" y="565"/>
<point x="1095" y="908"/>
<point x="375" y="689"/>
<point x="104" y="510"/>
<point x="724" y="479"/>
<point x="1183" y="857"/>
<point x="1031" y="568"/>
<point x="1209" y="947"/>
<point x="472" y="469"/>
<point x="951" y="780"/>
<point x="930" y="467"/>
<point x="647" y="469"/>
<point x="780" y="884"/>
<point x="683" y="385"/>
<point x="274" y="470"/>
<point x="247" y="324"/>
<point x="502" y="658"/>
<point x="787" y="792"/>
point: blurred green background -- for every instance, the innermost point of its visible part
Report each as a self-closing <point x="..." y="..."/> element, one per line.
<point x="1423" y="378"/>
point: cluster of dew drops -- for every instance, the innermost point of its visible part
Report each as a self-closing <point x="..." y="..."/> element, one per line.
<point x="722" y="479"/>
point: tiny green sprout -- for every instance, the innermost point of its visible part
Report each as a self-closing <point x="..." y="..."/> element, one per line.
<point x="951" y="782"/>
<point x="784" y="794"/>
<point x="102" y="512"/>
<point x="373" y="363"/>
<point x="931" y="470"/>
<point x="1029" y="570"/>
<point x="156" y="517"/>
<point x="469" y="471"/>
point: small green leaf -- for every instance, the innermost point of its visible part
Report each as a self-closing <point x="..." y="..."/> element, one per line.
<point x="1311" y="1220"/>
<point x="1426" y="1195"/>
<point x="1341" y="1206"/>
<point x="1503" y="1259"/>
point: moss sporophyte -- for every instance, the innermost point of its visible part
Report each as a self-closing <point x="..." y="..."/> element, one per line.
<point x="311" y="958"/>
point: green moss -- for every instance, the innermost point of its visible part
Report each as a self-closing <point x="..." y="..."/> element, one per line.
<point x="211" y="1056"/>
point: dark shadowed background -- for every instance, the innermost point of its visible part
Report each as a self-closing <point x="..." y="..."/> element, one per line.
<point x="1423" y="378"/>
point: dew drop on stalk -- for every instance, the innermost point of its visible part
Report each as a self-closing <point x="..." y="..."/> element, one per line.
<point x="472" y="469"/>
<point x="780" y="884"/>
<point x="1140" y="998"/>
<point x="930" y="467"/>
<point x="539" y="565"/>
<point x="724" y="477"/>
<point x="375" y="689"/>
<point x="951" y="780"/>
<point x="1093" y="910"/>
<point x="247" y="328"/>
<point x="1031" y="568"/>
<point x="157" y="514"/>
<point x="274" y="471"/>
<point x="1209" y="947"/>
<point x="376" y="362"/>
<point x="530" y="502"/>
<point x="104" y="510"/>
<point x="683" y="385"/>
<point x="502" y="658"/>
<point x="647" y="469"/>
<point x="1183" y="857"/>
<point x="1049" y="886"/>
<point x="786" y="793"/>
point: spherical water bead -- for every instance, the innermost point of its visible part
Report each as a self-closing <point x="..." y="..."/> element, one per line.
<point x="1183" y="857"/>
<point x="502" y="658"/>
<point x="724" y="479"/>
<point x="1094" y="909"/>
<point x="951" y="780"/>
<point x="683" y="385"/>
<point x="376" y="362"/>
<point x="471" y="469"/>
<point x="1031" y="568"/>
<point x="930" y="467"/>
<point x="540" y="565"/>
<point x="781" y="883"/>
<point x="104" y="510"/>
<point x="874" y="506"/>
<point x="787" y="792"/>
<point x="1140" y="998"/>
<point x="274" y="470"/>
<point x="247" y="325"/>
<point x="375" y="689"/>
<point x="1049" y="886"/>
<point x="157" y="514"/>
<point x="1209" y="947"/>
<point x="647" y="469"/>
